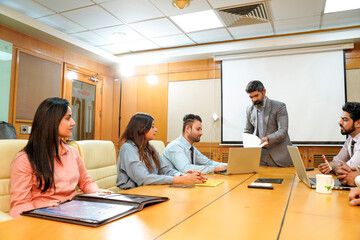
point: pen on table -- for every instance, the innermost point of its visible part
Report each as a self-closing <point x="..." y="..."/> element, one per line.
<point x="326" y="161"/>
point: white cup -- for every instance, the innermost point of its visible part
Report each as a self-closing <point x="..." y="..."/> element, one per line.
<point x="324" y="183"/>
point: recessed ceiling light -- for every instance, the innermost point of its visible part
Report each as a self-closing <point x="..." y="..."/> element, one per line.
<point x="343" y="5"/>
<point x="197" y="21"/>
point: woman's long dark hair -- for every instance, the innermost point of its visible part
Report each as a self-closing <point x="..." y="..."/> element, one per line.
<point x="43" y="143"/>
<point x="135" y="131"/>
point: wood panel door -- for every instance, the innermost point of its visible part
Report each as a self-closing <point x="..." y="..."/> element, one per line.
<point x="83" y="89"/>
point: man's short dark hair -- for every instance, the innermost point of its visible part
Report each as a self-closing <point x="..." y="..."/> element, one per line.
<point x="253" y="86"/>
<point x="189" y="120"/>
<point x="353" y="108"/>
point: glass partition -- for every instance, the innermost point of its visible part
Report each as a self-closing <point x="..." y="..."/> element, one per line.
<point x="83" y="110"/>
<point x="5" y="75"/>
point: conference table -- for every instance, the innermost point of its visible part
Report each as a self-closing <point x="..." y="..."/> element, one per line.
<point x="230" y="210"/>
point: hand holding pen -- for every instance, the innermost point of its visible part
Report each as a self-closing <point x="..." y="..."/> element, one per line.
<point x="326" y="161"/>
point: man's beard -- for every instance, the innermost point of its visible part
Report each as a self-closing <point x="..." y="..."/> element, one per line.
<point x="347" y="132"/>
<point x="193" y="138"/>
<point x="259" y="104"/>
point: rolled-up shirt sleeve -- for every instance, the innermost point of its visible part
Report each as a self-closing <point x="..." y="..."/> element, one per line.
<point x="178" y="157"/>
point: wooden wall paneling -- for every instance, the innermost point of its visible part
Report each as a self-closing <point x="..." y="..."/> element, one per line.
<point x="152" y="69"/>
<point x="12" y="96"/>
<point x="187" y="66"/>
<point x="352" y="63"/>
<point x="353" y="53"/>
<point x="115" y="109"/>
<point x="186" y="76"/>
<point x="29" y="43"/>
<point x="107" y="108"/>
<point x="152" y="99"/>
<point x="129" y="99"/>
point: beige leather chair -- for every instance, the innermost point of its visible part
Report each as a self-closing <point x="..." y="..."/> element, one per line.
<point x="8" y="150"/>
<point x="100" y="161"/>
<point x="158" y="145"/>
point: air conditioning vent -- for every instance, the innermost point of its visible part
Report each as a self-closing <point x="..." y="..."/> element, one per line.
<point x="244" y="14"/>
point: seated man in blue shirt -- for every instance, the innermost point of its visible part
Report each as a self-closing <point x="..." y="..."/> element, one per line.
<point x="183" y="156"/>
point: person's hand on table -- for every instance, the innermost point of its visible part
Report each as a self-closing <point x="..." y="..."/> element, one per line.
<point x="354" y="196"/>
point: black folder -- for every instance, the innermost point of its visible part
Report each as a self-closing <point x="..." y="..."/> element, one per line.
<point x="95" y="209"/>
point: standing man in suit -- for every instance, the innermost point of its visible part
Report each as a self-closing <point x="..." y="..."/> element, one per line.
<point x="268" y="119"/>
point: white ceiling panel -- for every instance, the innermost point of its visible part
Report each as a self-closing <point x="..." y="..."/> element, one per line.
<point x="132" y="11"/>
<point x="214" y="35"/>
<point x="227" y="3"/>
<point x="126" y="34"/>
<point x="341" y="19"/>
<point x="61" y="23"/>
<point x="117" y="48"/>
<point x="254" y="30"/>
<point x="297" y="25"/>
<point x="27" y="7"/>
<point x="168" y="9"/>
<point x="156" y="28"/>
<point x="64" y="5"/>
<point x="92" y="17"/>
<point x="286" y="9"/>
<point x="91" y="38"/>
<point x="173" y="41"/>
<point x="142" y="25"/>
<point x="140" y="45"/>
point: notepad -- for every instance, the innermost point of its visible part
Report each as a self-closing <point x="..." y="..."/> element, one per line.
<point x="210" y="183"/>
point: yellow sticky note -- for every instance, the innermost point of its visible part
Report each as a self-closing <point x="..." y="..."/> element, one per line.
<point x="210" y="183"/>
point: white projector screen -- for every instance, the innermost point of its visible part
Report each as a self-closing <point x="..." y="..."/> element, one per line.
<point x="312" y="86"/>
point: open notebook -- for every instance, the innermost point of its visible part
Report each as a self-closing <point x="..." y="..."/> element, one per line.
<point x="95" y="209"/>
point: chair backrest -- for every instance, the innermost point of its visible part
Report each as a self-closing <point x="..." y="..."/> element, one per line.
<point x="158" y="145"/>
<point x="8" y="150"/>
<point x="100" y="161"/>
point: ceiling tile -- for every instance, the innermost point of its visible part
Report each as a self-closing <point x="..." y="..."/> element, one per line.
<point x="61" y="23"/>
<point x="254" y="30"/>
<point x="213" y="35"/>
<point x="297" y="25"/>
<point x="64" y="5"/>
<point x="156" y="28"/>
<point x="27" y="7"/>
<point x="286" y="9"/>
<point x="168" y="9"/>
<point x="140" y="45"/>
<point x="173" y="41"/>
<point x="91" y="38"/>
<point x="92" y="17"/>
<point x="128" y="34"/>
<point x="132" y="11"/>
<point x="117" y="48"/>
<point x="228" y="3"/>
<point x="341" y="19"/>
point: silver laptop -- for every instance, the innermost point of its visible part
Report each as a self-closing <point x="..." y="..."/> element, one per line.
<point x="301" y="172"/>
<point x="243" y="160"/>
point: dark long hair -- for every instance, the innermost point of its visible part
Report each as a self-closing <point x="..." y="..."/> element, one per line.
<point x="43" y="143"/>
<point x="135" y="131"/>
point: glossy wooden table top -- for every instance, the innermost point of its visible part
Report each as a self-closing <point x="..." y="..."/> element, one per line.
<point x="228" y="211"/>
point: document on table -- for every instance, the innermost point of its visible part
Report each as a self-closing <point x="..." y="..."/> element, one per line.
<point x="209" y="183"/>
